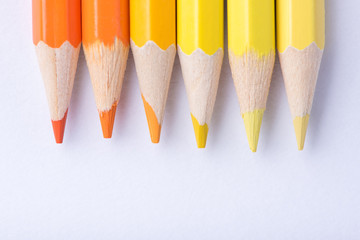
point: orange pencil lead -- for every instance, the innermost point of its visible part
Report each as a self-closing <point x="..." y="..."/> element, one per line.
<point x="154" y="126"/>
<point x="59" y="128"/>
<point x="107" y="121"/>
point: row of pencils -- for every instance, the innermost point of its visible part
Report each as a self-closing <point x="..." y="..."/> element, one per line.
<point x="157" y="29"/>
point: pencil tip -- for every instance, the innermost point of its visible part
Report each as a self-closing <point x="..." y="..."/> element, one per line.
<point x="59" y="129"/>
<point x="201" y="132"/>
<point x="107" y="121"/>
<point x="153" y="123"/>
<point x="300" y="125"/>
<point x="252" y="121"/>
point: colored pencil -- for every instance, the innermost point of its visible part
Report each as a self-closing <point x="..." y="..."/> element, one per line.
<point x="300" y="42"/>
<point x="57" y="40"/>
<point x="251" y="31"/>
<point x="105" y="27"/>
<point x="153" y="43"/>
<point x="200" y="35"/>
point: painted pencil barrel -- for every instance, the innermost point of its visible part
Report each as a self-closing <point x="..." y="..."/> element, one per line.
<point x="300" y="23"/>
<point x="55" y="22"/>
<point x="200" y="25"/>
<point x="300" y="41"/>
<point x="251" y="38"/>
<point x="57" y="40"/>
<point x="153" y="20"/>
<point x="251" y="25"/>
<point x="105" y="22"/>
<point x="153" y="43"/>
<point x="105" y="27"/>
<point x="200" y="35"/>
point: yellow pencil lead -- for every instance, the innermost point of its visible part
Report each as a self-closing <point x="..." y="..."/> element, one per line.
<point x="201" y="132"/>
<point x="300" y="125"/>
<point x="252" y="121"/>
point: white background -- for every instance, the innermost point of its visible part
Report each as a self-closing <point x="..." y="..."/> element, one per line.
<point x="128" y="188"/>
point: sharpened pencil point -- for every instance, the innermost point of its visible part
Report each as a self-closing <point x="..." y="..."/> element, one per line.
<point x="201" y="132"/>
<point x="107" y="121"/>
<point x="300" y="125"/>
<point x="154" y="126"/>
<point x="252" y="122"/>
<point x="59" y="129"/>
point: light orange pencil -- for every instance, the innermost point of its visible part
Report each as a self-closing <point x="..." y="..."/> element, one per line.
<point x="105" y="28"/>
<point x="153" y="44"/>
<point x="57" y="39"/>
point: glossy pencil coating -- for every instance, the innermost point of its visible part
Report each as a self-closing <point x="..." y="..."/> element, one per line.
<point x="153" y="20"/>
<point x="105" y="22"/>
<point x="55" y="22"/>
<point x="300" y="23"/>
<point x="105" y="27"/>
<point x="200" y="25"/>
<point x="57" y="40"/>
<point x="300" y="41"/>
<point x="251" y="36"/>
<point x="153" y="43"/>
<point x="251" y="26"/>
<point x="200" y="35"/>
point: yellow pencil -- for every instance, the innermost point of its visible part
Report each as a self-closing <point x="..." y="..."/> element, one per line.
<point x="300" y="42"/>
<point x="153" y="43"/>
<point x="200" y="34"/>
<point x="251" y="26"/>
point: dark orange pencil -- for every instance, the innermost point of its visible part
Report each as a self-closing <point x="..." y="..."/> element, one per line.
<point x="57" y="39"/>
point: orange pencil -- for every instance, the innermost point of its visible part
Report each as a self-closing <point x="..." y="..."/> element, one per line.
<point x="105" y="28"/>
<point x="57" y="40"/>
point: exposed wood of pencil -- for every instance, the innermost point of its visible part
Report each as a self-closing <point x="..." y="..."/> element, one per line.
<point x="201" y="74"/>
<point x="300" y="70"/>
<point x="154" y="68"/>
<point x="252" y="77"/>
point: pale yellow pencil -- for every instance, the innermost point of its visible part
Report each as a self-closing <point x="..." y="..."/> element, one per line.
<point x="300" y="41"/>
